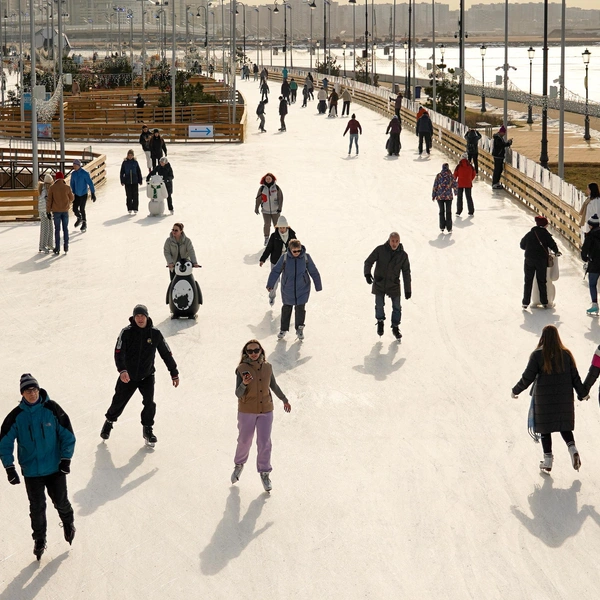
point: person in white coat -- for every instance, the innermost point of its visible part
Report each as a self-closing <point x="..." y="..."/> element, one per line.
<point x="46" y="228"/>
<point x="591" y="206"/>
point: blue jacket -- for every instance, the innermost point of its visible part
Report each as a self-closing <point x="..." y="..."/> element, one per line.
<point x="43" y="433"/>
<point x="130" y="172"/>
<point x="80" y="181"/>
<point x="295" y="280"/>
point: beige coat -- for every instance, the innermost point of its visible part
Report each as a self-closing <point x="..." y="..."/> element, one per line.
<point x="184" y="247"/>
<point x="60" y="197"/>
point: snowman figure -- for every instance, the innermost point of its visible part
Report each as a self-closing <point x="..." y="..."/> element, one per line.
<point x="156" y="190"/>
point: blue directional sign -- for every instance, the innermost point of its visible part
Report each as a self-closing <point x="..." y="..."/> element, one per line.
<point x="201" y="131"/>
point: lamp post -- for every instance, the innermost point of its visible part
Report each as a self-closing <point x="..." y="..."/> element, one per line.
<point x="442" y="52"/>
<point x="531" y="54"/>
<point x="312" y="7"/>
<point x="586" y="61"/>
<point x="374" y="61"/>
<point x="544" y="144"/>
<point x="405" y="45"/>
<point x="34" y="140"/>
<point x="187" y="26"/>
<point x="257" y="35"/>
<point x="130" y="17"/>
<point x="407" y="89"/>
<point x="344" y="55"/>
<point x="483" y="50"/>
<point x="353" y="2"/>
<point x="291" y="34"/>
<point x="271" y="33"/>
<point x="318" y="45"/>
<point x="244" y="27"/>
<point x="205" y="9"/>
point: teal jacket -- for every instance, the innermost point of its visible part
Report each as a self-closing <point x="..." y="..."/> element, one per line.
<point x="43" y="433"/>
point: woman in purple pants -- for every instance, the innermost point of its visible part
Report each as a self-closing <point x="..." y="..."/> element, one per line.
<point x="254" y="380"/>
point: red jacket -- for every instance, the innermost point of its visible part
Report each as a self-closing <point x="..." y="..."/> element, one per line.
<point x="353" y="126"/>
<point x="464" y="174"/>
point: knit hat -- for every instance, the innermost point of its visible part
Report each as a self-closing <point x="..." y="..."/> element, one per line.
<point x="59" y="175"/>
<point x="28" y="381"/>
<point x="140" y="309"/>
<point x="77" y="162"/>
<point x="593" y="222"/>
<point x="282" y="221"/>
<point x="541" y="221"/>
<point x="155" y="131"/>
<point x="465" y="155"/>
<point x="48" y="178"/>
<point x="502" y="129"/>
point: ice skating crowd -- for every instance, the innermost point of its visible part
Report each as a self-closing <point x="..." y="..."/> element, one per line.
<point x="42" y="431"/>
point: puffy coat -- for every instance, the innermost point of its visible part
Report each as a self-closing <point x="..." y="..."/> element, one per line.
<point x="464" y="173"/>
<point x="136" y="349"/>
<point x="296" y="273"/>
<point x="43" y="433"/>
<point x="184" y="248"/>
<point x="394" y="125"/>
<point x="60" y="197"/>
<point x="590" y="252"/>
<point x="80" y="180"/>
<point x="165" y="171"/>
<point x="269" y="198"/>
<point x="473" y="136"/>
<point x="536" y="243"/>
<point x="388" y="266"/>
<point x="276" y="246"/>
<point x="283" y="107"/>
<point x="499" y="146"/>
<point x="553" y="393"/>
<point x="157" y="146"/>
<point x="130" y="172"/>
<point x="424" y="125"/>
<point x="145" y="140"/>
<point x="444" y="184"/>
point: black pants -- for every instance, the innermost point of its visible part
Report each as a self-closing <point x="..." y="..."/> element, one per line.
<point x="132" y="193"/>
<point x="459" y="200"/>
<point x="294" y="92"/>
<point x="124" y="392"/>
<point x="498" y="168"/>
<point x="547" y="440"/>
<point x="169" y="184"/>
<point x="79" y="207"/>
<point x="445" y="214"/>
<point x="286" y="315"/>
<point x="155" y="161"/>
<point x="282" y="121"/>
<point x="394" y="144"/>
<point x="474" y="158"/>
<point x="346" y="108"/>
<point x="56" y="484"/>
<point x="427" y="138"/>
<point x="535" y="269"/>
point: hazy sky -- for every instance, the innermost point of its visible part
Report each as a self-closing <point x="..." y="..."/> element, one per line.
<point x="454" y="4"/>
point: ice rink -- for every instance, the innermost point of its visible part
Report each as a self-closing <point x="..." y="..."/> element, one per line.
<point x="403" y="471"/>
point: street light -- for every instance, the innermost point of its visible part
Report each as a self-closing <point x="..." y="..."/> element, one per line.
<point x="442" y="52"/>
<point x="344" y="55"/>
<point x="312" y="7"/>
<point x="405" y="45"/>
<point x="244" y="26"/>
<point x="531" y="54"/>
<point x="271" y="32"/>
<point x="586" y="60"/>
<point x="374" y="61"/>
<point x="318" y="44"/>
<point x="130" y="17"/>
<point x="257" y="35"/>
<point x="205" y="8"/>
<point x="483" y="50"/>
<point x="291" y="34"/>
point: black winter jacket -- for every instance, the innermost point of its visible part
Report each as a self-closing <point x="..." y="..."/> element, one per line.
<point x="388" y="265"/>
<point x="157" y="147"/>
<point x="130" y="172"/>
<point x="590" y="252"/>
<point x="500" y="146"/>
<point x="538" y="250"/>
<point x="424" y="125"/>
<point x="165" y="171"/>
<point x="553" y="393"/>
<point x="145" y="141"/>
<point x="136" y="350"/>
<point x="473" y="138"/>
<point x="276" y="246"/>
<point x="283" y="107"/>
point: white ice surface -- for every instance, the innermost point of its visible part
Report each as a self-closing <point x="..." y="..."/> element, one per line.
<point x="403" y="471"/>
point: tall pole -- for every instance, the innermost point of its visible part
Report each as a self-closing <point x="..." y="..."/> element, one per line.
<point x="173" y="62"/>
<point x="206" y="45"/>
<point x="414" y="56"/>
<point x="586" y="60"/>
<point x="2" y="44"/>
<point x="130" y="17"/>
<point x="225" y="79"/>
<point x="354" y="35"/>
<point x="143" y="47"/>
<point x="270" y="34"/>
<point x="544" y="150"/>
<point x="257" y="35"/>
<point x="434" y="101"/>
<point x="394" y="48"/>
<point x="461" y="45"/>
<point x="483" y="51"/>
<point x="561" y="126"/>
<point x="310" y="51"/>
<point x="21" y="63"/>
<point x="34" y="141"/>
<point x="234" y="10"/>
<point x="373" y="57"/>
<point x="325" y="30"/>
<point x="284" y="35"/>
<point x="61" y="103"/>
<point x="187" y="27"/>
<point x="367" y="41"/>
<point x="291" y="36"/>
<point x="505" y="113"/>
<point x="531" y="53"/>
<point x="407" y="80"/>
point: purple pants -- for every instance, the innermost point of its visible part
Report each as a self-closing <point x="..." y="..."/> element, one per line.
<point x="247" y="423"/>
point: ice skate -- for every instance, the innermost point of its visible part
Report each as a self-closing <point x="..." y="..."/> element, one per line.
<point x="379" y="328"/>
<point x="266" y="481"/>
<point x="575" y="459"/>
<point x="266" y="239"/>
<point x="300" y="332"/>
<point x="78" y="222"/>
<point x="525" y="306"/>
<point x="69" y="531"/>
<point x="106" y="429"/>
<point x="593" y="309"/>
<point x="83" y="227"/>
<point x="546" y="464"/>
<point x="56" y="251"/>
<point x="281" y="335"/>
<point x="149" y="437"/>
<point x="396" y="332"/>
<point x="38" y="547"/>
<point x="271" y="301"/>
<point x="237" y="471"/>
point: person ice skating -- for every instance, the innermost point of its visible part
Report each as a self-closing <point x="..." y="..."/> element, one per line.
<point x="296" y="268"/>
<point x="284" y="73"/>
<point x="46" y="244"/>
<point x="165" y="170"/>
<point x="473" y="136"/>
<point x="145" y="138"/>
<point x="135" y="353"/>
<point x="253" y="385"/>
<point x="60" y="198"/>
<point x="591" y="206"/>
<point x="276" y="247"/>
<point x="264" y="90"/>
<point x="424" y="131"/>
<point x="293" y="90"/>
<point x="260" y="113"/>
<point x="269" y="199"/>
<point x="354" y="128"/>
<point x="390" y="260"/>
<point x="178" y="246"/>
<point x="346" y="100"/>
<point x="283" y="110"/>
<point x="322" y="101"/>
<point x="305" y="94"/>
<point x="499" y="147"/>
<point x="464" y="173"/>
<point x="393" y="144"/>
<point x="45" y="446"/>
<point x="311" y="86"/>
<point x="131" y="179"/>
<point x="552" y="367"/>
<point x="80" y="183"/>
<point x="285" y="90"/>
<point x="255" y="71"/>
<point x="444" y="187"/>
<point x="333" y="102"/>
<point x="537" y="243"/>
<point x="325" y="83"/>
<point x="397" y="104"/>
<point x="157" y="147"/>
<point x="590" y="254"/>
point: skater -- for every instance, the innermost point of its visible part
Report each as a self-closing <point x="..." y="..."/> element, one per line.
<point x="393" y="144"/>
<point x="269" y="199"/>
<point x="295" y="268"/>
<point x="260" y="113"/>
<point x="45" y="445"/>
<point x="322" y="101"/>
<point x="60" y="198"/>
<point x="254" y="380"/>
<point x="346" y="99"/>
<point x="80" y="183"/>
<point x="443" y="188"/>
<point x="165" y="170"/>
<point x="178" y="246"/>
<point x="424" y="130"/>
<point x="145" y="138"/>
<point x="325" y="83"/>
<point x="390" y="260"/>
<point x="255" y="71"/>
<point x="397" y="104"/>
<point x="211" y="69"/>
<point x="157" y="147"/>
<point x="135" y="353"/>
<point x="276" y="247"/>
<point x="590" y="253"/>
<point x="131" y="179"/>
<point x="591" y="206"/>
<point x="537" y="244"/>
<point x="473" y="136"/>
<point x="354" y="128"/>
<point x="45" y="244"/>
<point x="283" y="110"/>
<point x="285" y="90"/>
<point x="499" y="152"/>
<point x="284" y="73"/>
<point x="333" y="102"/>
<point x="464" y="173"/>
<point x="304" y="95"/>
<point x="311" y="86"/>
<point x="552" y="367"/>
<point x="293" y="90"/>
<point x="264" y="90"/>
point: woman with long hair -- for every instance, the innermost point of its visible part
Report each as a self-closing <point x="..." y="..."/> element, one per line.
<point x="553" y="372"/>
<point x="254" y="380"/>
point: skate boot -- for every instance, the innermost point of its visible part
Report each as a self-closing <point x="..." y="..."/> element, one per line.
<point x="300" y="332"/>
<point x="106" y="429"/>
<point x="396" y="332"/>
<point x="149" y="436"/>
<point x="78" y="222"/>
<point x="83" y="227"/>
<point x="237" y="471"/>
<point x="38" y="547"/>
<point x="69" y="531"/>
<point x="593" y="309"/>
<point x="266" y="239"/>
<point x="379" y="328"/>
<point x="575" y="459"/>
<point x="546" y="464"/>
<point x="266" y="481"/>
<point x="281" y="335"/>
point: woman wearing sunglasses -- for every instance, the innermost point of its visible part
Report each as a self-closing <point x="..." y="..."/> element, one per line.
<point x="254" y="380"/>
<point x="177" y="246"/>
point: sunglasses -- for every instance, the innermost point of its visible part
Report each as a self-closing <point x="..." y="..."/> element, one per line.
<point x="296" y="251"/>
<point x="175" y="230"/>
<point x="253" y="350"/>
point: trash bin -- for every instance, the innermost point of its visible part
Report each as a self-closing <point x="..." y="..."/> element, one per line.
<point x="417" y="92"/>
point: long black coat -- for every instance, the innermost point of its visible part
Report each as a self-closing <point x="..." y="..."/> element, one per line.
<point x="388" y="265"/>
<point x="536" y="243"/>
<point x="553" y="393"/>
<point x="157" y="146"/>
<point x="590" y="252"/>
<point x="275" y="246"/>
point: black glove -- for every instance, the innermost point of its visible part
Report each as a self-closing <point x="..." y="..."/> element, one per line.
<point x="369" y="278"/>
<point x="93" y="197"/>
<point x="407" y="295"/>
<point x="49" y="216"/>
<point x="13" y="476"/>
<point x="65" y="465"/>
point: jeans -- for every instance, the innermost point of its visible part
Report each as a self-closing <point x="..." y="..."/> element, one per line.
<point x="262" y="424"/>
<point x="124" y="392"/>
<point x="132" y="196"/>
<point x="427" y="138"/>
<point x="459" y="200"/>
<point x="286" y="316"/>
<point x="535" y="269"/>
<point x="396" y="309"/>
<point x="79" y="207"/>
<point x="593" y="281"/>
<point x="61" y="218"/>
<point x="353" y="138"/>
<point x="474" y="158"/>
<point x="445" y="214"/>
<point x="498" y="168"/>
<point x="346" y="108"/>
<point x="56" y="484"/>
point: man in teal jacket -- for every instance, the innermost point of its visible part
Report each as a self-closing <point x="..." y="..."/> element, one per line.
<point x="80" y="182"/>
<point x="45" y="444"/>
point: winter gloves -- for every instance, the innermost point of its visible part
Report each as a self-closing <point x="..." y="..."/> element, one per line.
<point x="408" y="295"/>
<point x="93" y="197"/>
<point x="369" y="278"/>
<point x="49" y="216"/>
<point x="13" y="476"/>
<point x="64" y="466"/>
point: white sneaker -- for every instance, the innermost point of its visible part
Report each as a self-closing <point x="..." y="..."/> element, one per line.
<point x="546" y="464"/>
<point x="266" y="481"/>
<point x="300" y="332"/>
<point x="235" y="476"/>
<point x="575" y="459"/>
<point x="281" y="335"/>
